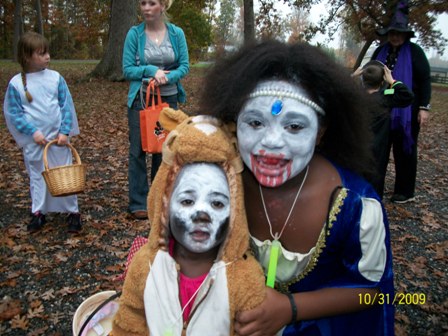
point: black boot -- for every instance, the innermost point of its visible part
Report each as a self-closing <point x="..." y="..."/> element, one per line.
<point x="74" y="223"/>
<point x="37" y="222"/>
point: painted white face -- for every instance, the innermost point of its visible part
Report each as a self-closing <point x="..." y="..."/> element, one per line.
<point x="278" y="147"/>
<point x="200" y="207"/>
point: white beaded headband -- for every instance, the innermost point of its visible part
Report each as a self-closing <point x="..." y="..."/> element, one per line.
<point x="278" y="105"/>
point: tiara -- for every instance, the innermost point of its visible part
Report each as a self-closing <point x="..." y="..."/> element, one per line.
<point x="286" y="94"/>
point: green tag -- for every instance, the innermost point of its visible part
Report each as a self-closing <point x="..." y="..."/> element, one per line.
<point x="168" y="332"/>
<point x="273" y="260"/>
<point x="389" y="92"/>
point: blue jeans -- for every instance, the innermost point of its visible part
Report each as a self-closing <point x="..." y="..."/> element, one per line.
<point x="137" y="172"/>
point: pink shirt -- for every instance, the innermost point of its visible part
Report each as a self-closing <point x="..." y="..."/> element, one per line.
<point x="187" y="287"/>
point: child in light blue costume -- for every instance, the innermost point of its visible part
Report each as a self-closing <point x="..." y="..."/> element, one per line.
<point x="38" y="108"/>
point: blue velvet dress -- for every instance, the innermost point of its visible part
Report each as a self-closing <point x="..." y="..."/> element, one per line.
<point x="340" y="260"/>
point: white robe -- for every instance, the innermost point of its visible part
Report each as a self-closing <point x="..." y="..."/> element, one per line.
<point x="211" y="309"/>
<point x="44" y="112"/>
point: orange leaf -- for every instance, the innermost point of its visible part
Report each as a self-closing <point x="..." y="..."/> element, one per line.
<point x="36" y="312"/>
<point x="48" y="295"/>
<point x="9" y="308"/>
<point x="19" y="322"/>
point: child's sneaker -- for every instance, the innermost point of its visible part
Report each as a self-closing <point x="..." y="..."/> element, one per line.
<point x="74" y="223"/>
<point x="37" y="222"/>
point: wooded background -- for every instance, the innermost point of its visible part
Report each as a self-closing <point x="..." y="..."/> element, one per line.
<point x="95" y="29"/>
<point x="45" y="277"/>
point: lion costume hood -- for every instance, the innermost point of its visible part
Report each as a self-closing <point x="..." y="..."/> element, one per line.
<point x="150" y="299"/>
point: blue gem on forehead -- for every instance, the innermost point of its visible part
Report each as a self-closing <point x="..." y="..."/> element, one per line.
<point x="276" y="108"/>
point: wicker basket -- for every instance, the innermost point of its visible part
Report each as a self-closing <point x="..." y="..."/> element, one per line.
<point x="64" y="180"/>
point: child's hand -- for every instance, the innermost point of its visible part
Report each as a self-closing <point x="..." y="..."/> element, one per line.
<point x="62" y="139"/>
<point x="388" y="75"/>
<point x="266" y="319"/>
<point x="39" y="138"/>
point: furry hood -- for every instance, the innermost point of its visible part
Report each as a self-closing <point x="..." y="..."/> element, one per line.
<point x="198" y="139"/>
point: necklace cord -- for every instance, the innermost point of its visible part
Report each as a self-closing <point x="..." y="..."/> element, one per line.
<point x="278" y="235"/>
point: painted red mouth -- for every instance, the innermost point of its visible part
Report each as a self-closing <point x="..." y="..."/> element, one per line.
<point x="270" y="165"/>
<point x="271" y="170"/>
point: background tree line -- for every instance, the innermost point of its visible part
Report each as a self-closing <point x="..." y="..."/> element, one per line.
<point x="95" y="29"/>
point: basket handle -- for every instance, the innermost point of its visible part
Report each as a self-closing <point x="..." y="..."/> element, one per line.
<point x="153" y="90"/>
<point x="149" y="89"/>
<point x="105" y="302"/>
<point x="52" y="142"/>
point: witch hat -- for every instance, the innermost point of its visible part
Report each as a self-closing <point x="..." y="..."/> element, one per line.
<point x="400" y="21"/>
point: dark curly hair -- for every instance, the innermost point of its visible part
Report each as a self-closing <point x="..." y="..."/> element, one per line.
<point x="347" y="139"/>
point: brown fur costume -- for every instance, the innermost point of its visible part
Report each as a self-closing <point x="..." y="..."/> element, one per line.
<point x="191" y="141"/>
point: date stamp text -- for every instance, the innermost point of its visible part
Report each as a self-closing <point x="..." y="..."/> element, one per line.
<point x="396" y="299"/>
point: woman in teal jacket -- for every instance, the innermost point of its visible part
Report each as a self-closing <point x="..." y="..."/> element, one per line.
<point x="154" y="49"/>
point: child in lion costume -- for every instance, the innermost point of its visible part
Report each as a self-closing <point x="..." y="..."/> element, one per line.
<point x="176" y="283"/>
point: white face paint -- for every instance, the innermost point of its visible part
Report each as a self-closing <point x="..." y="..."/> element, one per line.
<point x="276" y="148"/>
<point x="200" y="207"/>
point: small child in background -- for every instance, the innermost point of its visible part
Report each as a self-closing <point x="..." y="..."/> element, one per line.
<point x="38" y="108"/>
<point x="387" y="93"/>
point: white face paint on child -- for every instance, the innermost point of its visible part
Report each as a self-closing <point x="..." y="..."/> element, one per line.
<point x="200" y="207"/>
<point x="278" y="147"/>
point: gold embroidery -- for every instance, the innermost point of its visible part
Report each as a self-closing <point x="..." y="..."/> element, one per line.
<point x="320" y="245"/>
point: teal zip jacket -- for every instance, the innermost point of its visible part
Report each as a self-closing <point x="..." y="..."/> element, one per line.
<point x="135" y="68"/>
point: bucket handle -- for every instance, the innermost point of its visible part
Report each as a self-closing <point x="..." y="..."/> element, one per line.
<point x="105" y="302"/>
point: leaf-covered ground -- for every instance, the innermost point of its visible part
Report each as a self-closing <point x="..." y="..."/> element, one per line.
<point x="45" y="276"/>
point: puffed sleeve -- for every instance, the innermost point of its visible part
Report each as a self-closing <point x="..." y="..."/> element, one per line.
<point x="69" y="122"/>
<point x="367" y="254"/>
<point x="18" y="124"/>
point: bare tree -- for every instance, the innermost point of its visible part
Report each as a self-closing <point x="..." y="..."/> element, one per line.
<point x="18" y="26"/>
<point x="296" y="25"/>
<point x="363" y="17"/>
<point x="123" y="17"/>
<point x="39" y="22"/>
<point x="249" y="21"/>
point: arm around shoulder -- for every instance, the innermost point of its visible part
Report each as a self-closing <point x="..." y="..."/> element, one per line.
<point x="247" y="284"/>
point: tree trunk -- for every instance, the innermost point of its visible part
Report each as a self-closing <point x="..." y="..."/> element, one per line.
<point x="123" y="17"/>
<point x="362" y="53"/>
<point x="18" y="26"/>
<point x="249" y="21"/>
<point x="39" y="22"/>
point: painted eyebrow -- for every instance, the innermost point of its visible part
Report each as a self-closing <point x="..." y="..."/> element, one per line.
<point x="187" y="192"/>
<point x="294" y="115"/>
<point x="195" y="191"/>
<point x="251" y="113"/>
<point x="252" y="109"/>
<point x="220" y="194"/>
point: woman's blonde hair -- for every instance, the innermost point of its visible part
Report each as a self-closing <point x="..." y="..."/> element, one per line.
<point x="167" y="4"/>
<point x="29" y="43"/>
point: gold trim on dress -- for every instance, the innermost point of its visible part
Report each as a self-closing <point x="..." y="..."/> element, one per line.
<point x="320" y="245"/>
